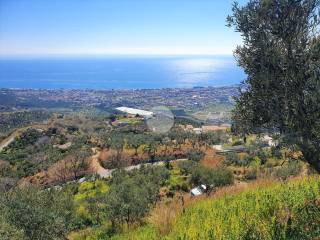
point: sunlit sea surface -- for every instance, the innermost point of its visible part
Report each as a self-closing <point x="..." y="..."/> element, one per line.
<point x="119" y="72"/>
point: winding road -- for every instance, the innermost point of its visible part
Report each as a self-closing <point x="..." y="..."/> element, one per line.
<point x="105" y="173"/>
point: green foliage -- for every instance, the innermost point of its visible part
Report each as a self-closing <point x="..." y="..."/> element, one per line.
<point x="251" y="174"/>
<point x="10" y="121"/>
<point x="211" y="177"/>
<point x="293" y="168"/>
<point x="142" y="233"/>
<point x="282" y="211"/>
<point x="177" y="181"/>
<point x="255" y="158"/>
<point x="195" y="155"/>
<point x="90" y="203"/>
<point x="29" y="137"/>
<point x="39" y="215"/>
<point x="187" y="120"/>
<point x="281" y="56"/>
<point x="9" y="232"/>
<point x="233" y="159"/>
<point x="186" y="167"/>
<point x="135" y="141"/>
<point x="132" y="193"/>
<point x="127" y="202"/>
<point x="33" y="151"/>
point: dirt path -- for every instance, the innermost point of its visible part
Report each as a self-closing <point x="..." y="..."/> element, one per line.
<point x="96" y="166"/>
<point x="9" y="139"/>
<point x="105" y="173"/>
<point x="6" y="142"/>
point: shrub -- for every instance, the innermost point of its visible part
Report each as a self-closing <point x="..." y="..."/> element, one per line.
<point x="234" y="159"/>
<point x="195" y="155"/>
<point x="251" y="174"/>
<point x="291" y="169"/>
<point x="255" y="162"/>
<point x="9" y="232"/>
<point x="305" y="221"/>
<point x="38" y="214"/>
<point x="212" y="177"/>
<point x="132" y="193"/>
<point x="186" y="167"/>
<point x="89" y="202"/>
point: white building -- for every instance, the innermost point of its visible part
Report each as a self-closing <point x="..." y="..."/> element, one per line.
<point x="135" y="111"/>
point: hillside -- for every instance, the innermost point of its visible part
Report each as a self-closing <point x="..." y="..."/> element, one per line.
<point x="279" y="211"/>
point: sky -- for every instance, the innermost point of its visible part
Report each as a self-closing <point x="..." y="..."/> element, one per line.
<point x="112" y="27"/>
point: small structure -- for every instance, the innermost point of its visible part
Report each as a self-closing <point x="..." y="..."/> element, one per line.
<point x="269" y="140"/>
<point x="134" y="111"/>
<point x="198" y="190"/>
<point x="217" y="147"/>
<point x="197" y="130"/>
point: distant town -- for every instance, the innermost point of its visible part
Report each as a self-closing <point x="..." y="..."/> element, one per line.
<point x="189" y="99"/>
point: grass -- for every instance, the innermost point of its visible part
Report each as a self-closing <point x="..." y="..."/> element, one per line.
<point x="276" y="212"/>
<point x="147" y="232"/>
<point x="262" y="210"/>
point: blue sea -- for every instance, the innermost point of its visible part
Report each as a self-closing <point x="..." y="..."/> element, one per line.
<point x="119" y="72"/>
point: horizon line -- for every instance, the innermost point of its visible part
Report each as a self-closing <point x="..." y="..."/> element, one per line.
<point x="57" y="55"/>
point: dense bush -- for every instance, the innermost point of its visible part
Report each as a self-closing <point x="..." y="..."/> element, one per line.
<point x="212" y="177"/>
<point x="233" y="159"/>
<point x="36" y="214"/>
<point x="9" y="121"/>
<point x="33" y="152"/>
<point x="90" y="203"/>
<point x="251" y="174"/>
<point x="293" y="168"/>
<point x="195" y="155"/>
<point x="131" y="194"/>
<point x="29" y="137"/>
<point x="186" y="167"/>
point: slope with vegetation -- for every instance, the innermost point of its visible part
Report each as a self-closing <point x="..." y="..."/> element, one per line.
<point x="277" y="211"/>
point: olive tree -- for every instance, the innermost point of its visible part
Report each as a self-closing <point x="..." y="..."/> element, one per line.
<point x="281" y="57"/>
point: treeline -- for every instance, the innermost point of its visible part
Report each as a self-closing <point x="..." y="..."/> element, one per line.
<point x="33" y="213"/>
<point x="35" y="151"/>
<point x="29" y="213"/>
<point x="12" y="120"/>
<point x="152" y="147"/>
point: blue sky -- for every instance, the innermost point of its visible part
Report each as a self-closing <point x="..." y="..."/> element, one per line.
<point x="81" y="27"/>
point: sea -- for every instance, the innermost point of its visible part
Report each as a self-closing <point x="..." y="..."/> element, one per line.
<point x="115" y="72"/>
